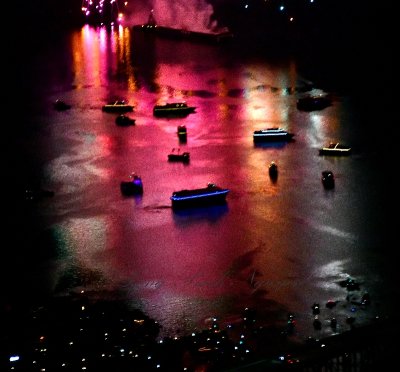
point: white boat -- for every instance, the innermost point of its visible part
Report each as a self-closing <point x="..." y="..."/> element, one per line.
<point x="272" y="134"/>
<point x="117" y="106"/>
<point x="335" y="148"/>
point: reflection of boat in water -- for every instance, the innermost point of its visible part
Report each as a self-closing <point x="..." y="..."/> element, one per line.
<point x="311" y="102"/>
<point x="132" y="187"/>
<point x="335" y="148"/>
<point x="173" y="109"/>
<point x="210" y="195"/>
<point x="152" y="28"/>
<point x="123" y="120"/>
<point x="184" y="157"/>
<point x="196" y="213"/>
<point x="272" y="134"/>
<point x="328" y="179"/>
<point x="117" y="106"/>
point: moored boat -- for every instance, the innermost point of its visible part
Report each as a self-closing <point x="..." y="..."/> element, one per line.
<point x="182" y="133"/>
<point x="313" y="102"/>
<point x="183" y="157"/>
<point x="60" y="105"/>
<point x="335" y="148"/>
<point x="132" y="187"/>
<point x="182" y="130"/>
<point x="272" y="134"/>
<point x="273" y="170"/>
<point x="117" y="106"/>
<point x="212" y="194"/>
<point x="328" y="179"/>
<point x="173" y="109"/>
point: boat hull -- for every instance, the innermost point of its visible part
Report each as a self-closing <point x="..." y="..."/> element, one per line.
<point x="129" y="188"/>
<point x="124" y="121"/>
<point x="336" y="149"/>
<point x="173" y="111"/>
<point x="184" y="158"/>
<point x="258" y="138"/>
<point x="199" y="197"/>
<point x="313" y="103"/>
<point x="334" y="152"/>
<point x="328" y="180"/>
<point x="117" y="108"/>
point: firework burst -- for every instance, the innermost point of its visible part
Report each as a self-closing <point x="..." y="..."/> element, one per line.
<point x="103" y="11"/>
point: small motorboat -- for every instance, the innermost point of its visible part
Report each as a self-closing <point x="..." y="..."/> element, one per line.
<point x="335" y="148"/>
<point x="272" y="134"/>
<point x="117" y="106"/>
<point x="132" y="187"/>
<point x="173" y="109"/>
<point x="182" y="130"/>
<point x="123" y="120"/>
<point x="60" y="105"/>
<point x="273" y="170"/>
<point x="183" y="157"/>
<point x="182" y="133"/>
<point x="209" y="195"/>
<point x="328" y="179"/>
<point x="313" y="102"/>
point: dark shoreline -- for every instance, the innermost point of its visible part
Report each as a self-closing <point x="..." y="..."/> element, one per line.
<point x="87" y="329"/>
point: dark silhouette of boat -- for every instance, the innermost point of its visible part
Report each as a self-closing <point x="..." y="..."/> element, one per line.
<point x="183" y="157"/>
<point x="182" y="133"/>
<point x="312" y="102"/>
<point x="173" y="109"/>
<point x="117" y="106"/>
<point x="123" y="120"/>
<point x="328" y="179"/>
<point x="272" y="135"/>
<point x="132" y="187"/>
<point x="273" y="170"/>
<point x="60" y="105"/>
<point x="210" y="195"/>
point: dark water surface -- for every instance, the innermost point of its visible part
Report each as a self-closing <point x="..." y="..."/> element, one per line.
<point x="277" y="247"/>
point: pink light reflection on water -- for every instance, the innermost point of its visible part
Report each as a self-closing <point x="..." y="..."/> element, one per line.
<point x="184" y="268"/>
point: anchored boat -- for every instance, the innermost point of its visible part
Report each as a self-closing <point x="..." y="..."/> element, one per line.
<point x="212" y="194"/>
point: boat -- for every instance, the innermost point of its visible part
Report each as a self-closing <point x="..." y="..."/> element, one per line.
<point x="273" y="170"/>
<point x="183" y="157"/>
<point x="328" y="179"/>
<point x="132" y="187"/>
<point x="182" y="133"/>
<point x="313" y="102"/>
<point x="124" y="120"/>
<point x="335" y="148"/>
<point x="173" y="109"/>
<point x="182" y="130"/>
<point x="60" y="105"/>
<point x="212" y="194"/>
<point x="272" y="134"/>
<point x="117" y="106"/>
